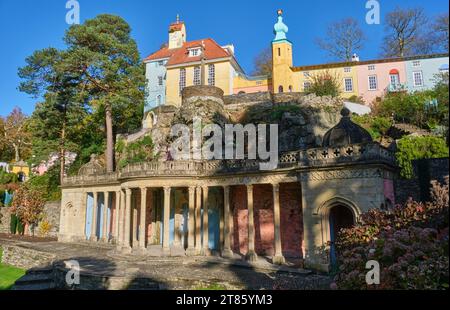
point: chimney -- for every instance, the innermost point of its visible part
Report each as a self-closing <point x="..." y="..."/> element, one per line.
<point x="355" y="57"/>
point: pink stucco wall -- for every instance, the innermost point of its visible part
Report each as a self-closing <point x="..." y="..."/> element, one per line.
<point x="251" y="89"/>
<point x="382" y="72"/>
<point x="290" y="213"/>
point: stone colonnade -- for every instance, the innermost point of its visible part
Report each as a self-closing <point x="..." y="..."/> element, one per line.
<point x="197" y="239"/>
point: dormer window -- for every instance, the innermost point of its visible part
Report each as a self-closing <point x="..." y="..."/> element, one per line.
<point x="194" y="52"/>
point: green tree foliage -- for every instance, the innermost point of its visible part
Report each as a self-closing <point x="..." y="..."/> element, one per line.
<point x="135" y="152"/>
<point x="92" y="89"/>
<point x="106" y="62"/>
<point x="377" y="126"/>
<point x="325" y="83"/>
<point x="411" y="148"/>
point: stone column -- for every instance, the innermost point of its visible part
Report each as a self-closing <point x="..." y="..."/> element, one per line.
<point x="122" y="217"/>
<point x="198" y="220"/>
<point x="142" y="228"/>
<point x="205" y="221"/>
<point x="278" y="257"/>
<point x="127" y="237"/>
<point x="134" y="223"/>
<point x="191" y="225"/>
<point x="251" y="254"/>
<point x="166" y="232"/>
<point x="105" y="231"/>
<point x="227" y="228"/>
<point x="117" y="216"/>
<point x="84" y="208"/>
<point x="93" y="236"/>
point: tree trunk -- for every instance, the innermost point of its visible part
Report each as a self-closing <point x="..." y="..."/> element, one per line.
<point x="16" y="151"/>
<point x="109" y="140"/>
<point x="62" y="155"/>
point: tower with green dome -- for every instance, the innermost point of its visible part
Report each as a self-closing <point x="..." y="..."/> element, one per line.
<point x="282" y="80"/>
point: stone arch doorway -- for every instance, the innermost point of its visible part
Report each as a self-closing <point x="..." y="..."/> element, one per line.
<point x="340" y="217"/>
<point x="335" y="214"/>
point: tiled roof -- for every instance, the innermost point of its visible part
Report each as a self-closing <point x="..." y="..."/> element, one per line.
<point x="366" y="62"/>
<point x="181" y="55"/>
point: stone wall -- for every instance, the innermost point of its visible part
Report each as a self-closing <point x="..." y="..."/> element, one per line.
<point x="25" y="258"/>
<point x="51" y="214"/>
<point x="418" y="187"/>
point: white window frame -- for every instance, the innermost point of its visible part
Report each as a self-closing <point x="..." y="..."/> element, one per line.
<point x="197" y="76"/>
<point x="182" y="81"/>
<point x="371" y="67"/>
<point x="421" y="79"/>
<point x="306" y="74"/>
<point x="348" y="69"/>
<point x="211" y="75"/>
<point x="195" y="52"/>
<point x="306" y="85"/>
<point x="416" y="63"/>
<point x="370" y="84"/>
<point x="160" y="81"/>
<point x="345" y="84"/>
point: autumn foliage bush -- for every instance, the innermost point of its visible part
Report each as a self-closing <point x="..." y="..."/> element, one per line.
<point x="410" y="242"/>
<point x="27" y="205"/>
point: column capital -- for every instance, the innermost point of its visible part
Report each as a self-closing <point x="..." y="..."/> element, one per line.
<point x="276" y="187"/>
<point x="128" y="190"/>
<point x="205" y="187"/>
<point x="143" y="190"/>
<point x="167" y="189"/>
<point x="249" y="187"/>
<point x="192" y="189"/>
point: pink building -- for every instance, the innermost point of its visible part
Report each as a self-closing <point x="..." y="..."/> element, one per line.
<point x="377" y="77"/>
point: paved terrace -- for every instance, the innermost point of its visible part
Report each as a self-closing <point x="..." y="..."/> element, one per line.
<point x="104" y="263"/>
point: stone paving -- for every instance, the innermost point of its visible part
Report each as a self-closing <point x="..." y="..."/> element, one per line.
<point x="135" y="271"/>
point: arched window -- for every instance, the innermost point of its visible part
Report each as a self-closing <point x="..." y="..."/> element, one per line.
<point x="182" y="83"/>
<point x="290" y="88"/>
<point x="211" y="75"/>
<point x="280" y="89"/>
<point x="394" y="77"/>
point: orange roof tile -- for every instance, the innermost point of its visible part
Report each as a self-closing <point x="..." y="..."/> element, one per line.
<point x="181" y="55"/>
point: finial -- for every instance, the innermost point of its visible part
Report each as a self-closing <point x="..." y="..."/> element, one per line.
<point x="280" y="12"/>
<point x="178" y="18"/>
<point x="345" y="112"/>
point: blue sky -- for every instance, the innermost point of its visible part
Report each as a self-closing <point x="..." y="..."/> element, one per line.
<point x="28" y="25"/>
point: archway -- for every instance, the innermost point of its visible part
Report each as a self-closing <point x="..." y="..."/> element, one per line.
<point x="340" y="217"/>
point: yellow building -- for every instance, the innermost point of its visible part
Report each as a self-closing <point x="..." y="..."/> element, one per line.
<point x="22" y="170"/>
<point x="180" y="63"/>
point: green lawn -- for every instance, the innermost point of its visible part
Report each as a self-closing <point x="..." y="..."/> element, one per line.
<point x="8" y="274"/>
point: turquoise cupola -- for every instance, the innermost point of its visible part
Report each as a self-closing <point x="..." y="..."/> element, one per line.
<point x="280" y="29"/>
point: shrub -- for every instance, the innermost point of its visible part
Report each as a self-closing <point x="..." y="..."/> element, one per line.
<point x="44" y="228"/>
<point x="411" y="148"/>
<point x="325" y="83"/>
<point x="410" y="242"/>
<point x="47" y="184"/>
<point x="377" y="126"/>
<point x="27" y="205"/>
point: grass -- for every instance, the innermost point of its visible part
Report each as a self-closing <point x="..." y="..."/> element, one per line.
<point x="8" y="274"/>
<point x="211" y="287"/>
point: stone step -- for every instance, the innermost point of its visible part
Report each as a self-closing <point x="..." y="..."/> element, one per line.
<point x="35" y="286"/>
<point x="40" y="270"/>
<point x="34" y="278"/>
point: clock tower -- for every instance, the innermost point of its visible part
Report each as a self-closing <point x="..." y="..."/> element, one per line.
<point x="177" y="34"/>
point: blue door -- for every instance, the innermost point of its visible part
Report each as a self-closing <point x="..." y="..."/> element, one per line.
<point x="89" y="206"/>
<point x="213" y="228"/>
<point x="108" y="214"/>
<point x="184" y="225"/>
